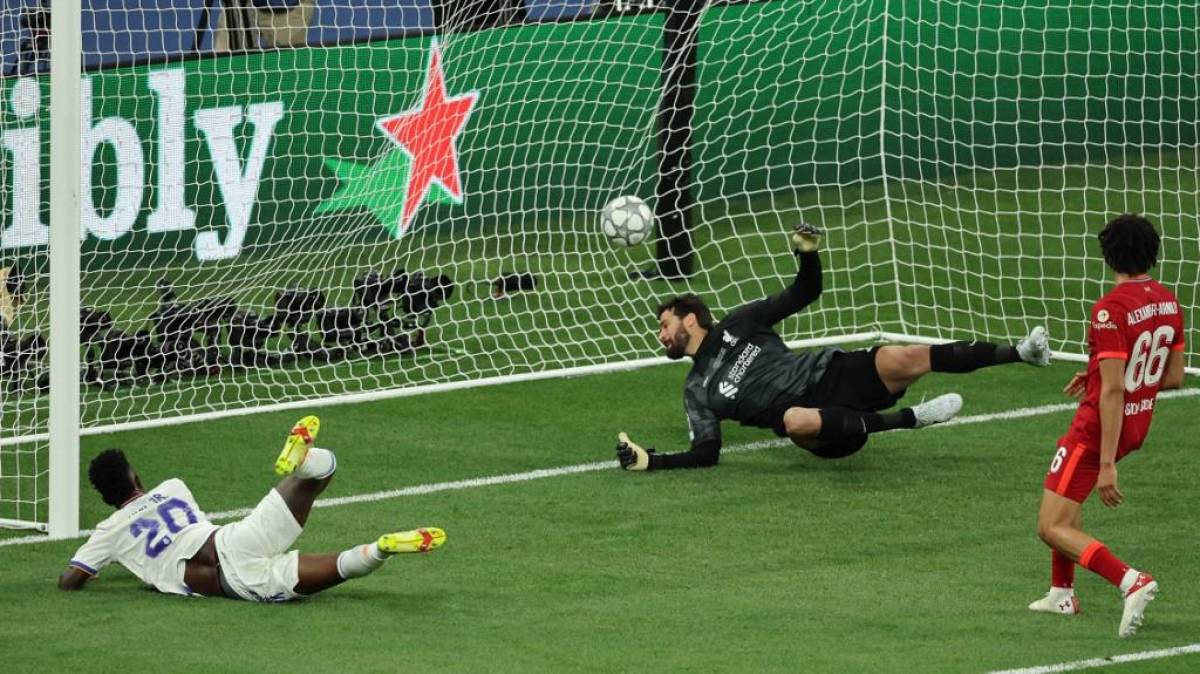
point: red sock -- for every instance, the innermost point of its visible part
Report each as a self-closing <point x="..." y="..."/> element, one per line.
<point x="1062" y="570"/>
<point x="1097" y="559"/>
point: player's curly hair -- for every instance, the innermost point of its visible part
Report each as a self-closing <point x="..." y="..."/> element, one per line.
<point x="1130" y="244"/>
<point x="690" y="303"/>
<point x="110" y="475"/>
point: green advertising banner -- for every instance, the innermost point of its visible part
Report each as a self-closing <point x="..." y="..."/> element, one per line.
<point x="209" y="158"/>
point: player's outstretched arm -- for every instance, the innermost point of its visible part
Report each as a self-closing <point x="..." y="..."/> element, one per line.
<point x="73" y="579"/>
<point x="705" y="430"/>
<point x="805" y="289"/>
<point x="633" y="457"/>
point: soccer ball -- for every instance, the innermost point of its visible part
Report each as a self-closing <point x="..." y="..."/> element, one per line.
<point x="626" y="221"/>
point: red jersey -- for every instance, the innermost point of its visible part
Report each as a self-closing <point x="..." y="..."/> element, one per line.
<point x="1138" y="322"/>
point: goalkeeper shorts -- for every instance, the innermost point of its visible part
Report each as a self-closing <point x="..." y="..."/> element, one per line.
<point x="850" y="380"/>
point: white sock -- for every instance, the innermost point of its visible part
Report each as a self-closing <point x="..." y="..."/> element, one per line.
<point x="360" y="560"/>
<point x="1129" y="579"/>
<point x="318" y="465"/>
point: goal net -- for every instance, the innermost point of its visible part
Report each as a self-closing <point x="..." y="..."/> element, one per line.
<point x="291" y="200"/>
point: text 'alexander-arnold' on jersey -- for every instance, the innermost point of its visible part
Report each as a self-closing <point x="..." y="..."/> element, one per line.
<point x="1139" y="322"/>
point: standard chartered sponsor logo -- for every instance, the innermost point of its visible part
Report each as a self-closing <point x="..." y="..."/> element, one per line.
<point x="235" y="170"/>
<point x="743" y="363"/>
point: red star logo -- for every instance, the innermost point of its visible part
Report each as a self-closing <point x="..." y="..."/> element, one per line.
<point x="427" y="134"/>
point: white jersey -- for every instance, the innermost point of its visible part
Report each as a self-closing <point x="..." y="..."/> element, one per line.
<point x="153" y="536"/>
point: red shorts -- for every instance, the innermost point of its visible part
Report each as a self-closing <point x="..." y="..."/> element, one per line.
<point x="1073" y="472"/>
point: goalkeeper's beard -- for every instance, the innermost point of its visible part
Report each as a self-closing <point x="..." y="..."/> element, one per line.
<point x="678" y="347"/>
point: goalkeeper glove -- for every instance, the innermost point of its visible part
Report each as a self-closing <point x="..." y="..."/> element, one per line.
<point x="806" y="238"/>
<point x="632" y="456"/>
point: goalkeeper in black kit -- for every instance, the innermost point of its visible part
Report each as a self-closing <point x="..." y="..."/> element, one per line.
<point x="827" y="401"/>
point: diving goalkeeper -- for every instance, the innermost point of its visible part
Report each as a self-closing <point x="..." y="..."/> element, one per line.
<point x="828" y="401"/>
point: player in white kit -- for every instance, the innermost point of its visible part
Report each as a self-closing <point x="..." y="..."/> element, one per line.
<point x="162" y="537"/>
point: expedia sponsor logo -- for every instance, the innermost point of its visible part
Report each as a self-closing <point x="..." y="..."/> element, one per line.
<point x="1107" y="325"/>
<point x="728" y="390"/>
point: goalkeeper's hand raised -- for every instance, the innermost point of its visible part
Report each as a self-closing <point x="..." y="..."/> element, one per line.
<point x="631" y="455"/>
<point x="806" y="238"/>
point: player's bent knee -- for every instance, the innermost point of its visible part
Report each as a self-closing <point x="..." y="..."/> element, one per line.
<point x="893" y="361"/>
<point x="910" y="361"/>
<point x="801" y="422"/>
<point x="1044" y="533"/>
<point x="1051" y="533"/>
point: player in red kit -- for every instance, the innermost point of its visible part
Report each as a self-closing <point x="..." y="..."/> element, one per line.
<point x="1135" y="345"/>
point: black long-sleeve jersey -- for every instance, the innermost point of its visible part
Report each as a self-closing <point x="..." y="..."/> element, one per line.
<point x="744" y="371"/>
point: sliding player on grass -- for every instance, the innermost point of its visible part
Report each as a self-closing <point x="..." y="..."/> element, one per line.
<point x="164" y="539"/>
<point x="827" y="401"/>
<point x="1135" y="343"/>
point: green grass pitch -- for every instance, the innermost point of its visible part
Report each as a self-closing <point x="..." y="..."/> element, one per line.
<point x="918" y="554"/>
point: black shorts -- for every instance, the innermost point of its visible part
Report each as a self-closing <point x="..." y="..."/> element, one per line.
<point x="851" y="381"/>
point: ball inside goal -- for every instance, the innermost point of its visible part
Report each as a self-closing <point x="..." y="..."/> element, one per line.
<point x="626" y="221"/>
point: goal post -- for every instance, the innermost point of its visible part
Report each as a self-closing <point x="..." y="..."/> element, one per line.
<point x="372" y="202"/>
<point x="63" y="417"/>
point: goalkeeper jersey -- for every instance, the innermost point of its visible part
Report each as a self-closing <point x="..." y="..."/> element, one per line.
<point x="744" y="371"/>
<point x="153" y="536"/>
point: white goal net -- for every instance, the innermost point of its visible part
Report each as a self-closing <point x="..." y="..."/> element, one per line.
<point x="290" y="200"/>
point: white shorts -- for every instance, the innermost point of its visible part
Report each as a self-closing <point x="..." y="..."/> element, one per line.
<point x="255" y="560"/>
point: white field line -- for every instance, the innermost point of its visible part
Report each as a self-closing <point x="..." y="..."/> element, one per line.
<point x="1104" y="662"/>
<point x="541" y="473"/>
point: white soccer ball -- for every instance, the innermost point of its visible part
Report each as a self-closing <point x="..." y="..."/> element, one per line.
<point x="626" y="221"/>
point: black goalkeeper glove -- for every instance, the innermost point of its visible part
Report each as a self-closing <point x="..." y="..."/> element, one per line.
<point x="631" y="455"/>
<point x="806" y="238"/>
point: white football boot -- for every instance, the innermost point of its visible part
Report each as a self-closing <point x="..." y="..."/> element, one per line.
<point x="940" y="409"/>
<point x="1139" y="595"/>
<point x="1060" y="600"/>
<point x="1035" y="349"/>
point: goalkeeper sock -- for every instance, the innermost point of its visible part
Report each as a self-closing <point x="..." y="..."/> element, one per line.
<point x="360" y="560"/>
<point x="318" y="464"/>
<point x="840" y="423"/>
<point x="970" y="356"/>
